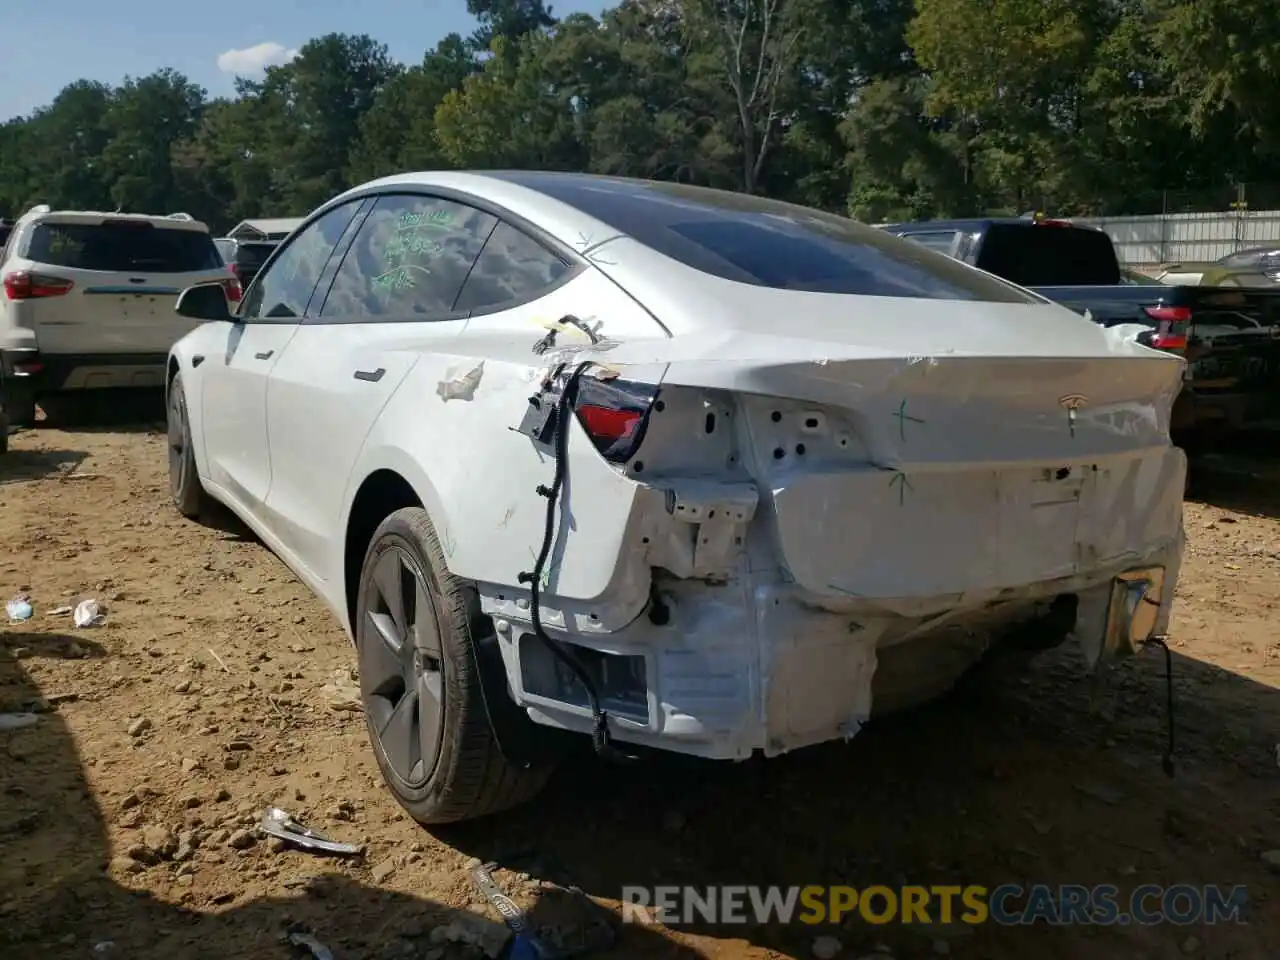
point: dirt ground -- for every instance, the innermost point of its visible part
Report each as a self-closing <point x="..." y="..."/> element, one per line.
<point x="217" y="685"/>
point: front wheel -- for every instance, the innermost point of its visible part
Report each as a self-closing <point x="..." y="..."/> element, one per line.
<point x="184" y="482"/>
<point x="420" y="685"/>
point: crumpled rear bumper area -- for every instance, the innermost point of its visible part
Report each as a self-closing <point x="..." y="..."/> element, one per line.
<point x="873" y="609"/>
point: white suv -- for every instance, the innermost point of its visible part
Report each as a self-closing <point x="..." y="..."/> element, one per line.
<point x="88" y="300"/>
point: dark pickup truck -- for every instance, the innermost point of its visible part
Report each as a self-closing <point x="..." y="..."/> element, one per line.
<point x="1229" y="336"/>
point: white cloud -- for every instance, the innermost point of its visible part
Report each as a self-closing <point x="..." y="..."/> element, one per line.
<point x="256" y="58"/>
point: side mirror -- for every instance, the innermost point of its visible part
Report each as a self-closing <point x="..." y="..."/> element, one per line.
<point x="206" y="302"/>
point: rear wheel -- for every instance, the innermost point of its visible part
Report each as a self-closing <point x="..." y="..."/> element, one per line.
<point x="184" y="482"/>
<point x="419" y="683"/>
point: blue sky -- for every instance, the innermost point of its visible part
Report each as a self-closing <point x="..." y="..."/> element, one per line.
<point x="51" y="43"/>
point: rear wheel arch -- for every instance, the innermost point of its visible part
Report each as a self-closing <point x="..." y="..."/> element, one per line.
<point x="381" y="493"/>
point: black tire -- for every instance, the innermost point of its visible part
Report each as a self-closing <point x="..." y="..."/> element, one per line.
<point x="467" y="777"/>
<point x="4" y="433"/>
<point x="184" y="481"/>
<point x="20" y="408"/>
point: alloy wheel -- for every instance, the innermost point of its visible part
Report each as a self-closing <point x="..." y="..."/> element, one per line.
<point x="177" y="440"/>
<point x="401" y="667"/>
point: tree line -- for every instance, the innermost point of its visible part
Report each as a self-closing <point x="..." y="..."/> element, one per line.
<point x="884" y="109"/>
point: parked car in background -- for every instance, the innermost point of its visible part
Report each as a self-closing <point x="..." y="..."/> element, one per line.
<point x="88" y="301"/>
<point x="1256" y="267"/>
<point x="1253" y="267"/>
<point x="1135" y="278"/>
<point x="1230" y="338"/>
<point x="245" y="257"/>
<point x="666" y="466"/>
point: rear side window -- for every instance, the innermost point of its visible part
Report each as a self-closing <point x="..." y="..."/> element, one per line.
<point x="1049" y="256"/>
<point x="511" y="269"/>
<point x="409" y="260"/>
<point x="123" y="246"/>
<point x="766" y="242"/>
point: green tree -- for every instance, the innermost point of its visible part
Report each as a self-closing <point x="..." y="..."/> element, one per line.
<point x="146" y="117"/>
<point x="509" y="19"/>
<point x="511" y="113"/>
<point x="310" y="111"/>
<point x="884" y="108"/>
<point x="56" y="156"/>
<point x="398" y="131"/>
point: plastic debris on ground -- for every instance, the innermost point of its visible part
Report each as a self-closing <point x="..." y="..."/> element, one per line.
<point x="16" y="721"/>
<point x="88" y="613"/>
<point x="582" y="926"/>
<point x="281" y="824"/>
<point x="317" y="949"/>
<point x="19" y="609"/>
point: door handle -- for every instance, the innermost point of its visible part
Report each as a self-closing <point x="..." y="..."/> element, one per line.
<point x="372" y="376"/>
<point x="263" y="356"/>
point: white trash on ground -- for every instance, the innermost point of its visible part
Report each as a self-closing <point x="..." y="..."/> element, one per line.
<point x="19" y="608"/>
<point x="88" y="613"/>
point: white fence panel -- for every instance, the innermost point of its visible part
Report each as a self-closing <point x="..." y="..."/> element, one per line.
<point x="1187" y="237"/>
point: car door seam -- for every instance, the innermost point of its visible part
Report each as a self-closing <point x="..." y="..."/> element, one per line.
<point x="364" y="440"/>
<point x="453" y="307"/>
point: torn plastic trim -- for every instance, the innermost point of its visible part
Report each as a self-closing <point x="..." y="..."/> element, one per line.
<point x="748" y="667"/>
<point x="279" y="823"/>
<point x="692" y="528"/>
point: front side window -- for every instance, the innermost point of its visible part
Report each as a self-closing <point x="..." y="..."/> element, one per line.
<point x="409" y="260"/>
<point x="281" y="292"/>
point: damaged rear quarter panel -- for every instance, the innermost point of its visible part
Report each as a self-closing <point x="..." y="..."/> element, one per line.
<point x="450" y="432"/>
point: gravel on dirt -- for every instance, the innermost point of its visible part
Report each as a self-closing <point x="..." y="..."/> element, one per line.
<point x="217" y="685"/>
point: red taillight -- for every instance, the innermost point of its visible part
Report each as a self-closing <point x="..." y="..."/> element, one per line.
<point x="1170" y="314"/>
<point x="24" y="285"/>
<point x="1054" y="223"/>
<point x="1169" y="341"/>
<point x="609" y="425"/>
<point x="1172" y="333"/>
<point x="613" y="413"/>
<point x="232" y="286"/>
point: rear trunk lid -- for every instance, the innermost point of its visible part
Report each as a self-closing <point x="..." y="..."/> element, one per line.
<point x="922" y="448"/>
<point x="126" y="274"/>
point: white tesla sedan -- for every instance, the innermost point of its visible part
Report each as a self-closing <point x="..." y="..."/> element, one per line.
<point x="667" y="466"/>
